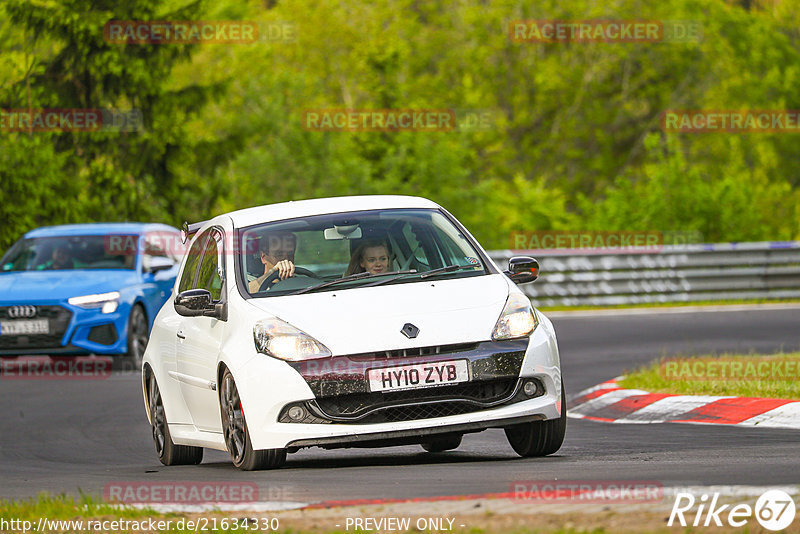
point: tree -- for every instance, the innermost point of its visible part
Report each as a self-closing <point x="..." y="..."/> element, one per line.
<point x="118" y="175"/>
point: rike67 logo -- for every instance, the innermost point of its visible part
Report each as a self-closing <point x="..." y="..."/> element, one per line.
<point x="774" y="510"/>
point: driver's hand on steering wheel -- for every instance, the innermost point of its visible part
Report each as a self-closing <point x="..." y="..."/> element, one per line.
<point x="285" y="269"/>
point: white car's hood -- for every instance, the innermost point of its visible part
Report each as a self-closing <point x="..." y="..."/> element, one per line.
<point x="368" y="319"/>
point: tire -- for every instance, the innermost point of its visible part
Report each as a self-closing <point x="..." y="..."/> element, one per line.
<point x="237" y="437"/>
<point x="138" y="334"/>
<point x="539" y="438"/>
<point x="168" y="453"/>
<point x="444" y="443"/>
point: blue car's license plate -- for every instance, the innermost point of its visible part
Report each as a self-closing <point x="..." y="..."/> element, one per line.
<point x="37" y="326"/>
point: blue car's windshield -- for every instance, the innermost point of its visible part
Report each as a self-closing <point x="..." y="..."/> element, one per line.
<point x="72" y="252"/>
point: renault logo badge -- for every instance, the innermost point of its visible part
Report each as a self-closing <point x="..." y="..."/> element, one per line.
<point x="409" y="330"/>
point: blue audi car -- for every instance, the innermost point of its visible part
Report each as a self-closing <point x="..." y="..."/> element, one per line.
<point x="86" y="288"/>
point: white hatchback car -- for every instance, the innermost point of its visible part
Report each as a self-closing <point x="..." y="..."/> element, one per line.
<point x="347" y="322"/>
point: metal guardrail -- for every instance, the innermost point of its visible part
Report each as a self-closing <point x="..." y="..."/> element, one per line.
<point x="676" y="273"/>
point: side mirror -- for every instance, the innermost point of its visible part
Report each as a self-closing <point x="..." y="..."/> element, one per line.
<point x="195" y="303"/>
<point x="522" y="269"/>
<point x="153" y="264"/>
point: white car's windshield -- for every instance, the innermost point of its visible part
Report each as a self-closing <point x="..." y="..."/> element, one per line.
<point x="354" y="250"/>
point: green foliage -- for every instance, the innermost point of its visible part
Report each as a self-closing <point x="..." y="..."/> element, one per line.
<point x="738" y="202"/>
<point x="35" y="190"/>
<point x="574" y="140"/>
<point x="58" y="58"/>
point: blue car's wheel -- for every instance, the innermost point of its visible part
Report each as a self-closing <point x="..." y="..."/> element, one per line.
<point x="138" y="333"/>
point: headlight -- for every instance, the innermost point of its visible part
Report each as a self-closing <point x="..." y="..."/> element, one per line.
<point x="517" y="320"/>
<point x="281" y="340"/>
<point x="108" y="301"/>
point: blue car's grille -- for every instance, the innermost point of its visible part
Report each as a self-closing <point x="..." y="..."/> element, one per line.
<point x="58" y="319"/>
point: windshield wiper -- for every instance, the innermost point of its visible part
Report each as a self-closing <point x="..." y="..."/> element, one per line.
<point x="396" y="275"/>
<point x="356" y="276"/>
<point x="446" y="269"/>
<point x="441" y="270"/>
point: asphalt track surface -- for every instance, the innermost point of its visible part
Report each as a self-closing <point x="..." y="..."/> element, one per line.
<point x="70" y="436"/>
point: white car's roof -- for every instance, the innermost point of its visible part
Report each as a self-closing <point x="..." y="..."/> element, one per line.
<point x="322" y="206"/>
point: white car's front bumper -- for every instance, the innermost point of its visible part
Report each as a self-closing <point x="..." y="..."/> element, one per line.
<point x="265" y="400"/>
<point x="331" y="435"/>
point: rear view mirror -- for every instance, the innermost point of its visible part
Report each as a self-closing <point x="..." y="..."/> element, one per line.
<point x="522" y="269"/>
<point x="344" y="231"/>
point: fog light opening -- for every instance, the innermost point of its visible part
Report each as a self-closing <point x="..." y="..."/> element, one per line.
<point x="297" y="413"/>
<point x="530" y="388"/>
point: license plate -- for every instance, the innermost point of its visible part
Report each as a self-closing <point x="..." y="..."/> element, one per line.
<point x="418" y="375"/>
<point x="37" y="326"/>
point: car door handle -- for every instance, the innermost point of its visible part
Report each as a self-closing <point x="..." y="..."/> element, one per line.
<point x="180" y="334"/>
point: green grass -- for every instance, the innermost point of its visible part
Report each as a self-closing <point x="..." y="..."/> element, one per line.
<point x="683" y="380"/>
<point x="670" y="304"/>
<point x="87" y="508"/>
<point x="67" y="507"/>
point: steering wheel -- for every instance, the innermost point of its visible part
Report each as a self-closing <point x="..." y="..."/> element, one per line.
<point x="297" y="270"/>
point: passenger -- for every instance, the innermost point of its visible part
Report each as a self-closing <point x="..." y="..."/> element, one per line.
<point x="372" y="257"/>
<point x="277" y="254"/>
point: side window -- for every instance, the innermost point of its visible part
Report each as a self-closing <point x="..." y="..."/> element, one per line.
<point x="426" y="253"/>
<point x="209" y="275"/>
<point x="416" y="247"/>
<point x="164" y="245"/>
<point x="192" y="259"/>
<point x="452" y="254"/>
<point x="154" y="248"/>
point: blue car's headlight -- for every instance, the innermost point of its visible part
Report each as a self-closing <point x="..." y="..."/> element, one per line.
<point x="108" y="302"/>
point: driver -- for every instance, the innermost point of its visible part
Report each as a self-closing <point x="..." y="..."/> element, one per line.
<point x="277" y="254"/>
<point x="61" y="259"/>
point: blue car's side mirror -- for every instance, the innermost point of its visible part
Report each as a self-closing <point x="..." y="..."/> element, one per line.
<point x="153" y="264"/>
